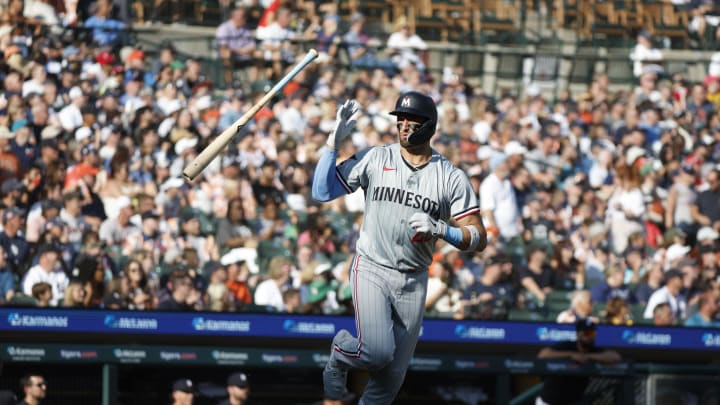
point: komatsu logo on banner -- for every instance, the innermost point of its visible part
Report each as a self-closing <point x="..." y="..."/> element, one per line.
<point x="126" y="322"/>
<point x="201" y="324"/>
<point x="711" y="340"/>
<point x="37" y="321"/>
<point x="647" y="338"/>
<point x="555" y="335"/>
<point x="476" y="332"/>
<point x="309" y="327"/>
<point x="25" y="351"/>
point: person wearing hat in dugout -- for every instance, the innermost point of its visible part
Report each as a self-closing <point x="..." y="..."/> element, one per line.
<point x="566" y="389"/>
<point x="182" y="392"/>
<point x="238" y="390"/>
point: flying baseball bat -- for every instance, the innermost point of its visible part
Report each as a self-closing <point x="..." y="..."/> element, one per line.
<point x="211" y="151"/>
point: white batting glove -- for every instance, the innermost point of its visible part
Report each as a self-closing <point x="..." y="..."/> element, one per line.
<point x="345" y="120"/>
<point x="423" y="223"/>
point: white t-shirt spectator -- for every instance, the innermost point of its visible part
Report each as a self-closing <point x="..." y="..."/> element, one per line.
<point x="642" y="56"/>
<point x="70" y="117"/>
<point x="677" y="304"/>
<point x="268" y="293"/>
<point x="498" y="195"/>
<point x="57" y="279"/>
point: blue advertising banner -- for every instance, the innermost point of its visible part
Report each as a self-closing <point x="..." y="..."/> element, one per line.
<point x="325" y="327"/>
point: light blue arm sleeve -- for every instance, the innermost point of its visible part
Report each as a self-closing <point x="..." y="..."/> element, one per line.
<point x="326" y="186"/>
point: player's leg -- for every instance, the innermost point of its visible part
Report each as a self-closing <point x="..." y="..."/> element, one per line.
<point x="408" y="311"/>
<point x="374" y="345"/>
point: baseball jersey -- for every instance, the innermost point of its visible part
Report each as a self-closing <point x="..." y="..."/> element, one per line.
<point x="394" y="191"/>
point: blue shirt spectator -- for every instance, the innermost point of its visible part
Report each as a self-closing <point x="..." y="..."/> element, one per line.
<point x="106" y="31"/>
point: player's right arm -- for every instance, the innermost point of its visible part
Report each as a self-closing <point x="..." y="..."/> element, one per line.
<point x="328" y="183"/>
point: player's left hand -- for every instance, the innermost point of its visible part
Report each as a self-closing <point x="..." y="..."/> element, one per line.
<point x="423" y="223"/>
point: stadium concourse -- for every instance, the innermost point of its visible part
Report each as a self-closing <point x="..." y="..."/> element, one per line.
<point x="599" y="203"/>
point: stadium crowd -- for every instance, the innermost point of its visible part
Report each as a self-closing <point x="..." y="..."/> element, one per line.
<point x="605" y="202"/>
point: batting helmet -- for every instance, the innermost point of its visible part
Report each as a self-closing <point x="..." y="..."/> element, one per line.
<point x="419" y="105"/>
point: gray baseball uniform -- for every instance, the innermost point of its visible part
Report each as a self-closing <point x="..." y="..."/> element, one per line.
<point x="388" y="274"/>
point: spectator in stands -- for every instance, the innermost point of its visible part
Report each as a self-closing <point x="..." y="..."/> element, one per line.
<point x="238" y="278"/>
<point x="617" y="312"/>
<point x="707" y="311"/>
<point x="669" y="293"/>
<point x="12" y="240"/>
<point x="7" y="279"/>
<point x="318" y="234"/>
<point x="324" y="33"/>
<point x="34" y="389"/>
<point x="49" y="271"/>
<point x="238" y="389"/>
<point x="269" y="292"/>
<point x="443" y="298"/>
<point x="680" y="199"/>
<point x="236" y="45"/>
<point x="182" y="392"/>
<point x="705" y="209"/>
<point x="276" y="46"/>
<point x="105" y="29"/>
<point x="489" y="297"/>
<point x="362" y="49"/>
<point x="704" y="13"/>
<point x="663" y="315"/>
<point x="650" y="282"/>
<point x="182" y="297"/>
<point x="498" y="201"/>
<point x="563" y="389"/>
<point x="581" y="307"/>
<point x="406" y="47"/>
<point x="645" y="56"/>
<point x="234" y="230"/>
<point x="612" y="287"/>
<point x="75" y="295"/>
<point x="536" y="278"/>
<point x="42" y="293"/>
<point x="9" y="163"/>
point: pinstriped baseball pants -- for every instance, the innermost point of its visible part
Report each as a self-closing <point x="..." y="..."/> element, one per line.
<point x="389" y="308"/>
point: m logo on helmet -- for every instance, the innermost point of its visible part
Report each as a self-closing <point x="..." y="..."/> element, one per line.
<point x="405" y="102"/>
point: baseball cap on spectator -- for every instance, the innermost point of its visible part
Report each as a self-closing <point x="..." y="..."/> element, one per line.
<point x="238" y="380"/>
<point x="136" y="54"/>
<point x="149" y="215"/>
<point x="673" y="233"/>
<point x="497" y="159"/>
<point x="670" y="274"/>
<point x="105" y="58"/>
<point x="357" y="16"/>
<point x="318" y="291"/>
<point x="484" y="152"/>
<point x="676" y="251"/>
<point x="322" y="268"/>
<point x="173" y="182"/>
<point x="706" y="233"/>
<point x="54" y="222"/>
<point x="708" y="249"/>
<point x="50" y="132"/>
<point x="11" y="185"/>
<point x="11" y="213"/>
<point x="183" y="384"/>
<point x="633" y="154"/>
<point x="203" y="103"/>
<point x="185" y="144"/>
<point x="70" y="51"/>
<point x="49" y="143"/>
<point x="75" y="92"/>
<point x="46" y="248"/>
<point x="172" y="107"/>
<point x="124" y="202"/>
<point x="515" y="148"/>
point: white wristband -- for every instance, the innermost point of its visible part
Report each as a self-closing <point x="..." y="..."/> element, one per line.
<point x="474" y="238"/>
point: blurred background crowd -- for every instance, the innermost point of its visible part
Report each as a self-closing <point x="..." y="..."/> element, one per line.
<point x="598" y="204"/>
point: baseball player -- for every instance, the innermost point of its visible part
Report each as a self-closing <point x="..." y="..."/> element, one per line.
<point x="411" y="192"/>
